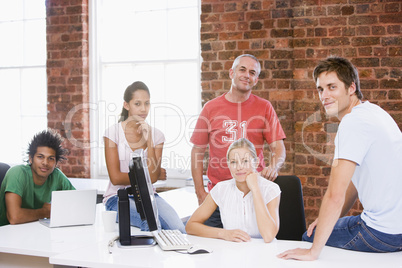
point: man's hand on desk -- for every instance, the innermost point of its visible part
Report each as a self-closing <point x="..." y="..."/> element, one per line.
<point x="301" y="254"/>
<point x="47" y="207"/>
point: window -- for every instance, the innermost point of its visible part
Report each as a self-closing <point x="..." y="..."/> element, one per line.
<point x="156" y="42"/>
<point x="23" y="85"/>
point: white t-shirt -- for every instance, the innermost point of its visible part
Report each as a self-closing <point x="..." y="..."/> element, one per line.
<point x="237" y="211"/>
<point x="370" y="137"/>
<point x="116" y="134"/>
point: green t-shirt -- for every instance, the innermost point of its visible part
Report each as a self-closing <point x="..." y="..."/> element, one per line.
<point x="19" y="180"/>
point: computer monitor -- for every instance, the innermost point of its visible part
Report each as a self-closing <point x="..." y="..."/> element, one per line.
<point x="142" y="191"/>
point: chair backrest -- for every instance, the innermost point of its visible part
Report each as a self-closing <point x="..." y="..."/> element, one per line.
<point x="3" y="170"/>
<point x="292" y="223"/>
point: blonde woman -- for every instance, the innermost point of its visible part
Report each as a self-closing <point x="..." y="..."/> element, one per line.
<point x="248" y="203"/>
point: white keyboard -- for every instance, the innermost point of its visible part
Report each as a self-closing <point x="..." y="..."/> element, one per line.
<point x="171" y="240"/>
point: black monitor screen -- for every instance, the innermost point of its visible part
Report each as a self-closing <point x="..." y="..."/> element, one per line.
<point x="143" y="191"/>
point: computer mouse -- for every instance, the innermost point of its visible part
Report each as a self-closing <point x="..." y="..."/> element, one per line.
<point x="198" y="250"/>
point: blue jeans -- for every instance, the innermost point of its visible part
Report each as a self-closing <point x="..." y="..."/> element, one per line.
<point x="352" y="233"/>
<point x="167" y="215"/>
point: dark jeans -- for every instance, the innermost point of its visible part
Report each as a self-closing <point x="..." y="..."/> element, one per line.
<point x="352" y="233"/>
<point x="215" y="219"/>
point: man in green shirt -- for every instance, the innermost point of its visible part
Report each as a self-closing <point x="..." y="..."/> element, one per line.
<point x="25" y="193"/>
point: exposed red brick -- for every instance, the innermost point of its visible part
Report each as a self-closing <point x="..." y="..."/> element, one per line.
<point x="67" y="37"/>
<point x="390" y="18"/>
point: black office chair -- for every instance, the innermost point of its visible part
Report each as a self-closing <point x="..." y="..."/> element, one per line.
<point x="291" y="209"/>
<point x="3" y="170"/>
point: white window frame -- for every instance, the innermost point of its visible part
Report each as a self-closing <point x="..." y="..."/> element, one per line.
<point x="28" y="98"/>
<point x="98" y="167"/>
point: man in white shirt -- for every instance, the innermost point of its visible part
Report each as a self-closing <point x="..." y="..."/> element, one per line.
<point x="367" y="165"/>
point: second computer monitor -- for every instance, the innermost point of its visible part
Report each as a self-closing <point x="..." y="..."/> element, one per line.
<point x="143" y="191"/>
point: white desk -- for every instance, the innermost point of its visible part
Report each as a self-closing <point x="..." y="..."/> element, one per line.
<point x="183" y="200"/>
<point x="176" y="196"/>
<point x="101" y="184"/>
<point x="37" y="245"/>
<point x="225" y="254"/>
<point x="40" y="242"/>
<point x="87" y="184"/>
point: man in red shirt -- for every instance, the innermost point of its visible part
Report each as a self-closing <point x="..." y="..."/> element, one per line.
<point x="233" y="115"/>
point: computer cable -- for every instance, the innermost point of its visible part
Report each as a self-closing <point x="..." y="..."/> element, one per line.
<point x="111" y="244"/>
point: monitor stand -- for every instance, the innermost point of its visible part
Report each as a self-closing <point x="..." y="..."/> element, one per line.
<point x="138" y="241"/>
<point x="126" y="239"/>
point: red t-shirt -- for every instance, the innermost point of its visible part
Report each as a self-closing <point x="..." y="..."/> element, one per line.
<point x="221" y="122"/>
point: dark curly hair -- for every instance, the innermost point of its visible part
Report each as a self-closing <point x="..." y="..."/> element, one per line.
<point x="48" y="138"/>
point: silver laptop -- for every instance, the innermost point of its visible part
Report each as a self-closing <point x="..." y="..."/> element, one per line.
<point x="71" y="208"/>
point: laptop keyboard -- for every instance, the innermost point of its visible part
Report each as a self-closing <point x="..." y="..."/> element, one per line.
<point x="172" y="240"/>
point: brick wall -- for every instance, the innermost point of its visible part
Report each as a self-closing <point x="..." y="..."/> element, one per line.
<point x="67" y="75"/>
<point x="289" y="37"/>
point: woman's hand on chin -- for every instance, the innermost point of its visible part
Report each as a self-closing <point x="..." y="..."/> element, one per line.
<point x="144" y="129"/>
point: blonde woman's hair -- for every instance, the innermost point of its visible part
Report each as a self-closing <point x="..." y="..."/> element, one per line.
<point x="243" y="143"/>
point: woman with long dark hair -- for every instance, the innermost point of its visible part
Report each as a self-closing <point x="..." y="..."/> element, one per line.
<point x="131" y="133"/>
